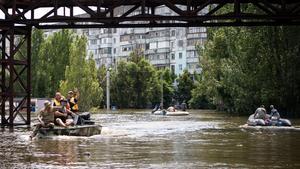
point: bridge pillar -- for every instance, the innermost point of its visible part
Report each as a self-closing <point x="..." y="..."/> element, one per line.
<point x="15" y="46"/>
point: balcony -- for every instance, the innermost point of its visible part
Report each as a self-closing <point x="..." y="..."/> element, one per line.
<point x="196" y="35"/>
<point x="156" y="51"/>
<point x="105" y="45"/>
<point x="160" y="62"/>
<point x="162" y="38"/>
<point x="192" y="60"/>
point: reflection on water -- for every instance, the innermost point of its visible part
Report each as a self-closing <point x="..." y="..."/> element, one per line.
<point x="204" y="139"/>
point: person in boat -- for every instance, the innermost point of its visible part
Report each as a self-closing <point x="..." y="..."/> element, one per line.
<point x="171" y="109"/>
<point x="260" y="113"/>
<point x="155" y="108"/>
<point x="183" y="106"/>
<point x="73" y="100"/>
<point x="61" y="113"/>
<point x="45" y="118"/>
<point x="274" y="114"/>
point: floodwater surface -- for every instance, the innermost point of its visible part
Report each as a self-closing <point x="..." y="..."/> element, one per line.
<point x="137" y="139"/>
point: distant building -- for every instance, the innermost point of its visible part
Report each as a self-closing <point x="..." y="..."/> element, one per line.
<point x="172" y="48"/>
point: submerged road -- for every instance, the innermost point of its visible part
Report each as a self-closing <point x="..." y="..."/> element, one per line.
<point x="136" y="139"/>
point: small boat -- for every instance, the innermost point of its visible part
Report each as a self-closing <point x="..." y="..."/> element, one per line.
<point x="84" y="126"/>
<point x="168" y="113"/>
<point x="272" y="122"/>
<point x="273" y="128"/>
<point x="77" y="130"/>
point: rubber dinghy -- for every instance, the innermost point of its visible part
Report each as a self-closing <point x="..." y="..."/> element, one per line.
<point x="273" y="122"/>
<point x="168" y="113"/>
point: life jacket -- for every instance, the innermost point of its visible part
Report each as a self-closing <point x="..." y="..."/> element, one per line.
<point x="57" y="104"/>
<point x="73" y="104"/>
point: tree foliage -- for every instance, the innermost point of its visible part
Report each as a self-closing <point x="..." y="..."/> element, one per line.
<point x="81" y="74"/>
<point x="184" y="87"/>
<point x="37" y="63"/>
<point x="50" y="58"/>
<point x="246" y="67"/>
<point x="59" y="64"/>
<point x="134" y="83"/>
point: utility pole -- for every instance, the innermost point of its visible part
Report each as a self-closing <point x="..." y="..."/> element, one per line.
<point x="162" y="91"/>
<point x="108" y="89"/>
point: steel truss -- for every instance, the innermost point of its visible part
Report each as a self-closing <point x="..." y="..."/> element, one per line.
<point x="20" y="16"/>
<point x="15" y="96"/>
<point x="142" y="13"/>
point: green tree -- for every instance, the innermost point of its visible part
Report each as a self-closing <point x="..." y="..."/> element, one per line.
<point x="81" y="74"/>
<point x="134" y="83"/>
<point x="184" y="87"/>
<point x="101" y="75"/>
<point x="167" y="79"/>
<point x="37" y="63"/>
<point x="246" y="67"/>
<point x="54" y="57"/>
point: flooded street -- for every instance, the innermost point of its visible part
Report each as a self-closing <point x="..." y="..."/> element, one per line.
<point x="204" y="139"/>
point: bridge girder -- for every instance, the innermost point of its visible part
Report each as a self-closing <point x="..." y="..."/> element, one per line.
<point x="142" y="13"/>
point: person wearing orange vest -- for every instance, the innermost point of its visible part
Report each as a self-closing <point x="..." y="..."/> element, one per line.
<point x="73" y="101"/>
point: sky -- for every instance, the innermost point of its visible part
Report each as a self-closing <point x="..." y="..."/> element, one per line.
<point x="40" y="12"/>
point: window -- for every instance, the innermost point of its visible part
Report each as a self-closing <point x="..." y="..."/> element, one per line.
<point x="180" y="55"/>
<point x="124" y="38"/>
<point x="115" y="50"/>
<point x="105" y="50"/>
<point x="173" y="68"/>
<point x="180" y="66"/>
<point x="172" y="56"/>
<point x="180" y="43"/>
<point x="192" y="54"/>
<point x="93" y="42"/>
<point x="193" y="42"/>
<point x="127" y="48"/>
<point x="172" y="44"/>
<point x="173" y="33"/>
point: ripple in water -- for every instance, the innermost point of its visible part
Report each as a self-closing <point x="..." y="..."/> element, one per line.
<point x="157" y="128"/>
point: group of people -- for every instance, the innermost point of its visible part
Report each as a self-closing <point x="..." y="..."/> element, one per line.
<point x="174" y="108"/>
<point x="61" y="112"/>
<point x="261" y="113"/>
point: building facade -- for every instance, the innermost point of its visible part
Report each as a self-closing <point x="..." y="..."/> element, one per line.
<point x="173" y="48"/>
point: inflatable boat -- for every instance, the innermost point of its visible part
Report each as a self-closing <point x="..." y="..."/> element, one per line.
<point x="168" y="113"/>
<point x="272" y="122"/>
<point x="272" y="128"/>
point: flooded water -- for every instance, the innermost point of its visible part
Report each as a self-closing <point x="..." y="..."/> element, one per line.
<point x="136" y="139"/>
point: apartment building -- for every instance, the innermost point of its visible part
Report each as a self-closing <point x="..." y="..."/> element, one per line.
<point x="173" y="48"/>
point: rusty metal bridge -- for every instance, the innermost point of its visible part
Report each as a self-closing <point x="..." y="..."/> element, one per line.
<point x="18" y="17"/>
